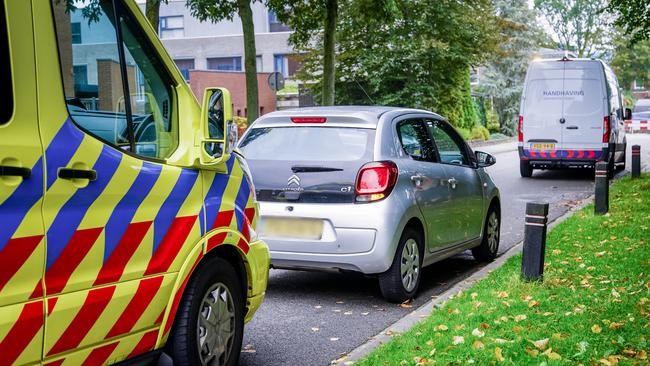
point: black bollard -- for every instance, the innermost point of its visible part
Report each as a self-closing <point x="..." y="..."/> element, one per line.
<point x="602" y="189"/>
<point x="636" y="161"/>
<point x="532" y="260"/>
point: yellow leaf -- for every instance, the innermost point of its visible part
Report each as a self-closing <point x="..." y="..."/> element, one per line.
<point x="506" y="304"/>
<point x="442" y="327"/>
<point x="541" y="344"/>
<point x="478" y="344"/>
<point x="517" y="329"/>
<point x="532" y="352"/>
<point x="642" y="355"/>
<point x="519" y="318"/>
<point x="615" y="325"/>
<point x="596" y="328"/>
<point x="533" y="303"/>
<point x="498" y="354"/>
<point x="502" y="295"/>
<point x="554" y="356"/>
<point x="474" y="295"/>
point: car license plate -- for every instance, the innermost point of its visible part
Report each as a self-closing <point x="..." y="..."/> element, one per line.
<point x="275" y="227"/>
<point x="543" y="146"/>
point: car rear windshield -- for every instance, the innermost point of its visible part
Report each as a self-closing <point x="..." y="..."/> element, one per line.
<point x="308" y="144"/>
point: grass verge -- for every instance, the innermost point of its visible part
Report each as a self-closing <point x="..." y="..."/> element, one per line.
<point x="592" y="308"/>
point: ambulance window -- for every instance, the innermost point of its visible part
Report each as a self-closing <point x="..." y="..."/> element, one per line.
<point x="95" y="69"/>
<point x="6" y="90"/>
<point x="90" y="66"/>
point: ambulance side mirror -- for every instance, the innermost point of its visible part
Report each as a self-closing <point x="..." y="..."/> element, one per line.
<point x="215" y="139"/>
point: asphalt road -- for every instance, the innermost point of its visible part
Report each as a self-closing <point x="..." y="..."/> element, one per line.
<point x="313" y="318"/>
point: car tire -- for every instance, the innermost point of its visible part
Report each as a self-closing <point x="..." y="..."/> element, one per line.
<point x="210" y="318"/>
<point x="402" y="280"/>
<point x="525" y="169"/>
<point x="489" y="247"/>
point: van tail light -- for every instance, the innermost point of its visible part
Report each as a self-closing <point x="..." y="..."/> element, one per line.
<point x="606" y="129"/>
<point x="375" y="181"/>
<point x="308" y="119"/>
<point x="520" y="129"/>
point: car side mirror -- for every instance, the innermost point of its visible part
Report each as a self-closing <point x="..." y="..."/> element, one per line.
<point x="484" y="159"/>
<point x="628" y="114"/>
<point x="216" y="132"/>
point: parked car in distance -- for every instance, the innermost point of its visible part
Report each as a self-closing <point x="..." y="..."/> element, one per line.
<point x="641" y="116"/>
<point x="571" y="116"/>
<point x="127" y="224"/>
<point x="377" y="190"/>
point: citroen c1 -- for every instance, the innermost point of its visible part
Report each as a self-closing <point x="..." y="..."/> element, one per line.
<point x="378" y="190"/>
<point x="126" y="221"/>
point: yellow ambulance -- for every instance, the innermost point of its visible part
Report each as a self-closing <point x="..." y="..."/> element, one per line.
<point x="126" y="220"/>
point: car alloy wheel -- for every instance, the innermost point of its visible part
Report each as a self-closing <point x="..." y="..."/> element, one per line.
<point x="493" y="232"/>
<point x="216" y="325"/>
<point x="410" y="265"/>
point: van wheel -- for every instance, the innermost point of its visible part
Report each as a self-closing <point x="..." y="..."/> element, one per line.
<point x="487" y="250"/>
<point x="209" y="325"/>
<point x="525" y="169"/>
<point x="402" y="280"/>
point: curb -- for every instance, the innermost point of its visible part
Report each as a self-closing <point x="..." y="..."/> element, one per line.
<point x="413" y="318"/>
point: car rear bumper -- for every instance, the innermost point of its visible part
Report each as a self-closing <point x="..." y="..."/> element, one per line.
<point x="563" y="158"/>
<point x="356" y="237"/>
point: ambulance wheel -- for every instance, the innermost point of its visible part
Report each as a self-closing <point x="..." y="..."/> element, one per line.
<point x="209" y="325"/>
<point x="525" y="169"/>
<point x="402" y="279"/>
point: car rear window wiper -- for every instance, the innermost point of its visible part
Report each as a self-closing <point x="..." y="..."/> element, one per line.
<point x="313" y="169"/>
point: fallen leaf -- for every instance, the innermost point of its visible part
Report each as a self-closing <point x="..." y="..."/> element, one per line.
<point x="389" y="333"/>
<point x="554" y="356"/>
<point x="532" y="352"/>
<point x="600" y="254"/>
<point x="347" y="313"/>
<point x="314" y="329"/>
<point x="477" y="333"/>
<point x="459" y="327"/>
<point x="596" y="328"/>
<point x="478" y="344"/>
<point x="502" y="295"/>
<point x="458" y="340"/>
<point x="485" y="325"/>
<point x="365" y="313"/>
<point x="501" y="341"/>
<point x="521" y="317"/>
<point x="615" y="325"/>
<point x="442" y="327"/>
<point x="517" y="329"/>
<point x="642" y="355"/>
<point x="533" y="303"/>
<point x="474" y="295"/>
<point x="541" y="344"/>
<point x="334" y="339"/>
<point x="340" y="302"/>
<point x="405" y="306"/>
<point x="498" y="354"/>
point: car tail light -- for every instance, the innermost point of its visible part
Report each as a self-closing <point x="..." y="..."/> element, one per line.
<point x="606" y="129"/>
<point x="375" y="181"/>
<point x="520" y="129"/>
<point x="308" y="119"/>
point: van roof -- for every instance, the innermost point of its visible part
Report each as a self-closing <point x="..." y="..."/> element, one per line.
<point x="346" y="116"/>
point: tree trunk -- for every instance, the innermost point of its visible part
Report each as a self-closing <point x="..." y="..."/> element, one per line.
<point x="329" y="50"/>
<point x="152" y="11"/>
<point x="250" y="58"/>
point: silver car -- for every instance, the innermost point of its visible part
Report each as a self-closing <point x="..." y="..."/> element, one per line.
<point x="377" y="190"/>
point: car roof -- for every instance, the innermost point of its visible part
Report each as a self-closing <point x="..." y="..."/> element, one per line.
<point x="345" y="116"/>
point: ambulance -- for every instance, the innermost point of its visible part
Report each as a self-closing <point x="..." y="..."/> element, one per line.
<point x="126" y="218"/>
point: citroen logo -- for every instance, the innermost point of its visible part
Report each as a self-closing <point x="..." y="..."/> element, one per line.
<point x="294" y="179"/>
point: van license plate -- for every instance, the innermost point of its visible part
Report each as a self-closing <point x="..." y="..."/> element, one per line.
<point x="543" y="146"/>
<point x="275" y="227"/>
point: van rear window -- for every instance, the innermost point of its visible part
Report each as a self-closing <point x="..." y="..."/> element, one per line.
<point x="6" y="91"/>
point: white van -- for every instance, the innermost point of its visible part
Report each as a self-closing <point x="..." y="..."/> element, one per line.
<point x="571" y="116"/>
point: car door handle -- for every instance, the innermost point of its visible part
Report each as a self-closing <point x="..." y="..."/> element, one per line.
<point x="14" y="171"/>
<point x="452" y="182"/>
<point x="69" y="174"/>
<point x="417" y="179"/>
<point x="571" y="127"/>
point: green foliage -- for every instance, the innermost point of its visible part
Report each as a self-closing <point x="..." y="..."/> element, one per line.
<point x="479" y="133"/>
<point x="633" y="17"/>
<point x="631" y="62"/>
<point x="408" y="61"/>
<point x="464" y="133"/>
<point x="502" y="78"/>
<point x="591" y="307"/>
<point x="580" y="26"/>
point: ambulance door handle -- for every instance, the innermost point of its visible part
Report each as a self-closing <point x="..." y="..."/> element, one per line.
<point x="69" y="174"/>
<point x="14" y="171"/>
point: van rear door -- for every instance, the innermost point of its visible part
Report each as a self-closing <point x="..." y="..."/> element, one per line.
<point x="542" y="109"/>
<point x="584" y="104"/>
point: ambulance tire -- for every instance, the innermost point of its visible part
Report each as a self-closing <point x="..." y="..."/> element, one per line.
<point x="409" y="252"/>
<point x="525" y="170"/>
<point x="214" y="289"/>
